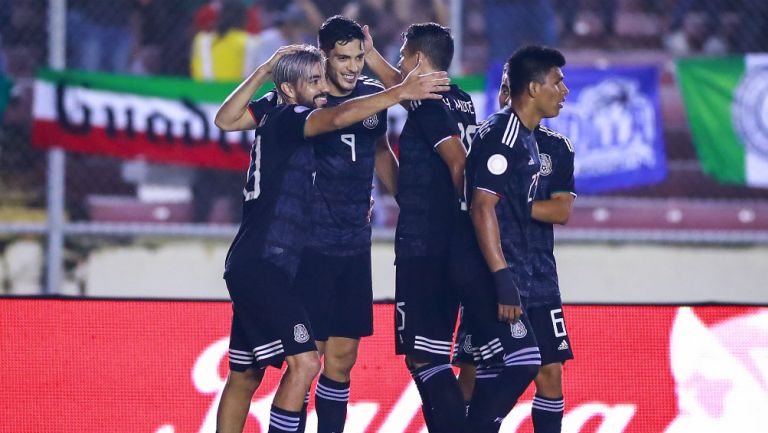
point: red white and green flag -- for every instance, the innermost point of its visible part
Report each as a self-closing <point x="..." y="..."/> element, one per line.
<point x="726" y="100"/>
<point x="157" y="119"/>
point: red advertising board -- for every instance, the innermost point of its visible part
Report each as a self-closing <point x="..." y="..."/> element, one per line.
<point x="159" y="366"/>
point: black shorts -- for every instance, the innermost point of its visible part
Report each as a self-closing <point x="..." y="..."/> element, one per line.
<point x="483" y="339"/>
<point x="426" y="308"/>
<point x="549" y="326"/>
<point x="268" y="320"/>
<point x="337" y="293"/>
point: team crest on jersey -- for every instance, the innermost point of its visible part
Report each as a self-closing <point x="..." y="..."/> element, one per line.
<point x="518" y="329"/>
<point x="300" y="333"/>
<point x="546" y="164"/>
<point x="371" y="122"/>
<point x="467" y="346"/>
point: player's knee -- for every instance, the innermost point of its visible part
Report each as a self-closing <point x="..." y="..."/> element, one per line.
<point x="248" y="380"/>
<point x="304" y="365"/>
<point x="340" y="363"/>
<point x="549" y="380"/>
<point x="414" y="361"/>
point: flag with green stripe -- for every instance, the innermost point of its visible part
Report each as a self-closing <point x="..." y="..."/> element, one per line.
<point x="726" y="102"/>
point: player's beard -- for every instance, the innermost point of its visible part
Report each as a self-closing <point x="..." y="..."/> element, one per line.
<point x="319" y="100"/>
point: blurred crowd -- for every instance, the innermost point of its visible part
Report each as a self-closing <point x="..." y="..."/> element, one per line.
<point x="222" y="39"/>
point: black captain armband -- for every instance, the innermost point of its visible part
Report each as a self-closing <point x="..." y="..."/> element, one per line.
<point x="506" y="288"/>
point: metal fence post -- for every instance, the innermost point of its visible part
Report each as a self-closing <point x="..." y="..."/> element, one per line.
<point x="57" y="40"/>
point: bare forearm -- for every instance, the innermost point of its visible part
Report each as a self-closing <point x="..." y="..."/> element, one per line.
<point x="349" y="112"/>
<point x="387" y="168"/>
<point x="233" y="114"/>
<point x="387" y="73"/>
<point x="487" y="230"/>
<point x="553" y="211"/>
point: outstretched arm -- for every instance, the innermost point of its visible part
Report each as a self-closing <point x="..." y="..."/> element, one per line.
<point x="415" y="87"/>
<point x="233" y="114"/>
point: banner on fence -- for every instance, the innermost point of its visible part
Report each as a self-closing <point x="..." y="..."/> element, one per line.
<point x="613" y="119"/>
<point x="726" y="100"/>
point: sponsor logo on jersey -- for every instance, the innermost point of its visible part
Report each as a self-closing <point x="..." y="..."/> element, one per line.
<point x="300" y="333"/>
<point x="563" y="346"/>
<point x="371" y="122"/>
<point x="546" y="164"/>
<point x="518" y="329"/>
<point x="497" y="164"/>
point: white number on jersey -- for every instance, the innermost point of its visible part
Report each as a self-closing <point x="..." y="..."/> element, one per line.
<point x="558" y="322"/>
<point x="466" y="134"/>
<point x="349" y="140"/>
<point x="252" y="195"/>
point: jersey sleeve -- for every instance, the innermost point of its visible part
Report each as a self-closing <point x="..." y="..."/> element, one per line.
<point x="562" y="172"/>
<point x="494" y="166"/>
<point x="262" y="105"/>
<point x="434" y="121"/>
<point x="291" y="120"/>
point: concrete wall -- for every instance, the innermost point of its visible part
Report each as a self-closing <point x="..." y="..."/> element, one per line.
<point x="589" y="273"/>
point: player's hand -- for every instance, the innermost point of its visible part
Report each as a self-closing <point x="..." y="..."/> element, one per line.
<point x="269" y="65"/>
<point x="509" y="313"/>
<point x="417" y="86"/>
<point x="368" y="40"/>
<point x="370" y="210"/>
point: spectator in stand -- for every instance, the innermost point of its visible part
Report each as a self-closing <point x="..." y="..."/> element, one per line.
<point x="700" y="33"/>
<point x="206" y="16"/>
<point x="754" y="24"/>
<point x="101" y="34"/>
<point x="226" y="53"/>
<point x="163" y="37"/>
<point x="296" y="24"/>
<point x="511" y="24"/>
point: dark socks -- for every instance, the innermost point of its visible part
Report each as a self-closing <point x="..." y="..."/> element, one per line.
<point x="443" y="403"/>
<point x="496" y="393"/>
<point x="283" y="421"/>
<point x="331" y="400"/>
<point x="547" y="414"/>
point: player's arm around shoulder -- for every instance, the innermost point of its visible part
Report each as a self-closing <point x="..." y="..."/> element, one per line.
<point x="416" y="86"/>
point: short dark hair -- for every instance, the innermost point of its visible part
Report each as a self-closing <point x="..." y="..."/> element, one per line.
<point x="432" y="39"/>
<point x="531" y="63"/>
<point x="338" y="29"/>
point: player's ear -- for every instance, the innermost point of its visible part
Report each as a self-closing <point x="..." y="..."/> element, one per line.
<point x="533" y="88"/>
<point x="288" y="90"/>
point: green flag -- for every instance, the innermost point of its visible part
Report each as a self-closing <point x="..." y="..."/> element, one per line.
<point x="726" y="102"/>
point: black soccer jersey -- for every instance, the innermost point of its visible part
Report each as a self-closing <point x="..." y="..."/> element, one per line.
<point x="342" y="195"/>
<point x="504" y="160"/>
<point x="277" y="193"/>
<point x="556" y="175"/>
<point x="425" y="190"/>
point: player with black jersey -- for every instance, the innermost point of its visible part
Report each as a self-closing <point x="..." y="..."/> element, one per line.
<point x="552" y="204"/>
<point x="433" y="147"/>
<point x="270" y="324"/>
<point x="503" y="169"/>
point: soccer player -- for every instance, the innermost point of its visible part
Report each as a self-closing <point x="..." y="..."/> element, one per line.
<point x="432" y="157"/>
<point x="552" y="204"/>
<point x="270" y="324"/>
<point x="503" y="169"/>
<point x="334" y="276"/>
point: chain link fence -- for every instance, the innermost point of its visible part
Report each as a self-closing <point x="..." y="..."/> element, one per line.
<point x="118" y="201"/>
